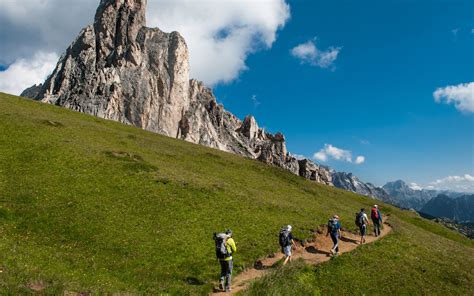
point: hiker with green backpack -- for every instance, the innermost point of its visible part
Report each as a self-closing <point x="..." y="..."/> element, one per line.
<point x="334" y="229"/>
<point x="286" y="242"/>
<point x="225" y="247"/>
<point x="362" y="221"/>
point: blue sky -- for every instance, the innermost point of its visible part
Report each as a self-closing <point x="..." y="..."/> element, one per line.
<point x="378" y="100"/>
<point x="343" y="78"/>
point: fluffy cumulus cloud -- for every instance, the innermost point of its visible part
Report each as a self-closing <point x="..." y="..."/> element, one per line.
<point x="309" y="53"/>
<point x="220" y="33"/>
<point x="415" y="186"/>
<point x="26" y="72"/>
<point x="330" y="152"/>
<point x="461" y="95"/>
<point x="359" y="159"/>
<point x="464" y="183"/>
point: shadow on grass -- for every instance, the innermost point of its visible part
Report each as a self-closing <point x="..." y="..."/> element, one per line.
<point x="194" y="281"/>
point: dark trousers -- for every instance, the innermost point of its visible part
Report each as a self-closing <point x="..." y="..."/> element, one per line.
<point x="226" y="273"/>
<point x="335" y="240"/>
<point x="376" y="226"/>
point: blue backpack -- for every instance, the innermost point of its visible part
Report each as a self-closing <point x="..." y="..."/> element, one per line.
<point x="332" y="225"/>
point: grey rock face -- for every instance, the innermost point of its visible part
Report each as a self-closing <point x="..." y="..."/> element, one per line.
<point x="119" y="69"/>
<point x="312" y="171"/>
<point x="32" y="92"/>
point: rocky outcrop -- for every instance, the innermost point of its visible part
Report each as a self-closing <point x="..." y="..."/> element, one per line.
<point x="119" y="69"/>
<point x="350" y="182"/>
<point x="314" y="172"/>
<point x="32" y="92"/>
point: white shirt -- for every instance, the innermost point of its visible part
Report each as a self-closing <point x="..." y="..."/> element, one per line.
<point x="365" y="218"/>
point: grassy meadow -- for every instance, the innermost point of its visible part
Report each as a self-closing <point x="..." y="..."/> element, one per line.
<point x="90" y="205"/>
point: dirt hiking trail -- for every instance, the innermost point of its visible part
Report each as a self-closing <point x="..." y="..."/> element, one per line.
<point x="314" y="252"/>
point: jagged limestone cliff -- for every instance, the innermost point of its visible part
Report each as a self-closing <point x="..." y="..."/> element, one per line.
<point x="121" y="70"/>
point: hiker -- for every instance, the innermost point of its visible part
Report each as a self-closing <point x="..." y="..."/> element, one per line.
<point x="334" y="228"/>
<point x="286" y="242"/>
<point x="225" y="247"/>
<point x="376" y="219"/>
<point x="362" y="221"/>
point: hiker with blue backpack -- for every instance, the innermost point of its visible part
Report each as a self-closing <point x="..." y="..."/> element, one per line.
<point x="286" y="242"/>
<point x="334" y="229"/>
<point x="376" y="219"/>
<point x="225" y="247"/>
<point x="362" y="221"/>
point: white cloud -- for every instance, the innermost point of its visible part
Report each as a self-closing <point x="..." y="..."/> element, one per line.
<point x="463" y="183"/>
<point x="331" y="152"/>
<point x="461" y="95"/>
<point x="415" y="186"/>
<point x="31" y="26"/>
<point x="24" y="73"/>
<point x="359" y="159"/>
<point x="255" y="102"/>
<point x="309" y="53"/>
<point x="220" y="33"/>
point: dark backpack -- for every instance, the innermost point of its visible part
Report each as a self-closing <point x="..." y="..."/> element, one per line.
<point x="360" y="219"/>
<point x="332" y="225"/>
<point x="221" y="245"/>
<point x="284" y="238"/>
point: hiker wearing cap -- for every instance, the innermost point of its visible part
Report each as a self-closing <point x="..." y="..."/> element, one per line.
<point x="362" y="221"/>
<point x="286" y="242"/>
<point x="334" y="229"/>
<point x="376" y="219"/>
<point x="225" y="247"/>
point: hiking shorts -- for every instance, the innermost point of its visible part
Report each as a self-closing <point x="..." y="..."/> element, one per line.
<point x="363" y="229"/>
<point x="287" y="251"/>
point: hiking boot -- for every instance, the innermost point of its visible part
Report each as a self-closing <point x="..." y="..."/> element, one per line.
<point x="227" y="290"/>
<point x="221" y="286"/>
<point x="332" y="251"/>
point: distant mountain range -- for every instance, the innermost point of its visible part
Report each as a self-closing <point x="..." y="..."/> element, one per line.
<point x="459" y="209"/>
<point x="350" y="182"/>
<point x="456" y="206"/>
<point x="406" y="197"/>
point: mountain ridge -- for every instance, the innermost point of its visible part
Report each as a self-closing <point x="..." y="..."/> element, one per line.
<point x="119" y="69"/>
<point x="459" y="209"/>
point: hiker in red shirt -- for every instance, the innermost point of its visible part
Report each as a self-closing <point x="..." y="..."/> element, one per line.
<point x="376" y="219"/>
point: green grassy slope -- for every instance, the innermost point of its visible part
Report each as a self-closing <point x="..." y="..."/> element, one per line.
<point x="90" y="205"/>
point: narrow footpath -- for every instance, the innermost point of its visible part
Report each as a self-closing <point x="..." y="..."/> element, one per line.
<point x="315" y="252"/>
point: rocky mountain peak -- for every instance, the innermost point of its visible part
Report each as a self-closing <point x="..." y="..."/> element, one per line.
<point x="119" y="69"/>
<point x="249" y="127"/>
<point x="116" y="26"/>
